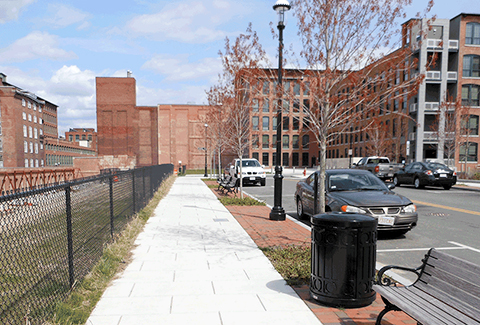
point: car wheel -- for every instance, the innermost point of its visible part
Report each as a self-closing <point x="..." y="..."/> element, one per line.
<point x="300" y="213"/>
<point x="417" y="183"/>
<point x="262" y="182"/>
<point x="395" y="181"/>
<point x="447" y="187"/>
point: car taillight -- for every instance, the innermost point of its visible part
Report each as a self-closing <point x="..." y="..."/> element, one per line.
<point x="454" y="173"/>
<point x="428" y="172"/>
<point x="377" y="169"/>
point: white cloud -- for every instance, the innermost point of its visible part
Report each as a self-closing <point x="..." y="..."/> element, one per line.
<point x="61" y="15"/>
<point x="188" y="21"/>
<point x="187" y="94"/>
<point x="33" y="46"/>
<point x="11" y="9"/>
<point x="177" y="67"/>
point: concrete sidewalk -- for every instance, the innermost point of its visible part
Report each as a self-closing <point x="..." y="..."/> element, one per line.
<point x="195" y="264"/>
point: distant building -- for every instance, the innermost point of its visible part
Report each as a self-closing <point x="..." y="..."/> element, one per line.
<point x="85" y="137"/>
<point x="26" y="120"/>
<point x="149" y="134"/>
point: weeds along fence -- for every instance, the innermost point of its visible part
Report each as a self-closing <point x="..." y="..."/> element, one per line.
<point x="51" y="237"/>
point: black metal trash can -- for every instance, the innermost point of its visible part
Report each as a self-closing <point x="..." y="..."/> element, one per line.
<point x="343" y="259"/>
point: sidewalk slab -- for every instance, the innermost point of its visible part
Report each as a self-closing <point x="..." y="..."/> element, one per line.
<point x="195" y="264"/>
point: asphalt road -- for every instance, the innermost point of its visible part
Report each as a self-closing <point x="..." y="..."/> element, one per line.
<point x="448" y="220"/>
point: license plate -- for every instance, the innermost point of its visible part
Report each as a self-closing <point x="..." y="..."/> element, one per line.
<point x="390" y="174"/>
<point x="390" y="221"/>
<point x="443" y="175"/>
<point x="252" y="178"/>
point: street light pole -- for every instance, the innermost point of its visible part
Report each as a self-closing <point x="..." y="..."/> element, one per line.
<point x="206" y="174"/>
<point x="278" y="213"/>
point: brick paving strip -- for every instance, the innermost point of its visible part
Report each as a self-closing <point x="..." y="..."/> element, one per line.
<point x="267" y="233"/>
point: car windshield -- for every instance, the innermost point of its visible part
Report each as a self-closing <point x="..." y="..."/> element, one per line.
<point x="250" y="163"/>
<point x="355" y="182"/>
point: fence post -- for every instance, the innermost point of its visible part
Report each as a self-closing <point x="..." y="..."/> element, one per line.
<point x="133" y="191"/>
<point x="111" y="204"/>
<point x="68" y="203"/>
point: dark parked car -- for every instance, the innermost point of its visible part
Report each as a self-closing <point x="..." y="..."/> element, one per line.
<point x="359" y="191"/>
<point x="421" y="174"/>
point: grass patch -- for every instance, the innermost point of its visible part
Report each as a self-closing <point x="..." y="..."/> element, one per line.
<point x="292" y="262"/>
<point x="78" y="306"/>
<point x="238" y="201"/>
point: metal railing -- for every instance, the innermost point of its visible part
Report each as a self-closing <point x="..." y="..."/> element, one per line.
<point x="51" y="237"/>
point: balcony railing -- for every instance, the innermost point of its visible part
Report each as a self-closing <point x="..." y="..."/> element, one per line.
<point x="432" y="106"/>
<point x="453" y="44"/>
<point x="434" y="43"/>
<point x="433" y="75"/>
<point x="433" y="136"/>
<point x="452" y="75"/>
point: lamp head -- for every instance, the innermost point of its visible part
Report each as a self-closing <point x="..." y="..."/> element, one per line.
<point x="281" y="6"/>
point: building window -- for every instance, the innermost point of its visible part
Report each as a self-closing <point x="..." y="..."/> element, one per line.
<point x="295" y="123"/>
<point x="36" y="163"/>
<point x="286" y="106"/>
<point x="254" y="125"/>
<point x="470" y="94"/>
<point x="305" y="159"/>
<point x="29" y="117"/>
<point x="89" y="137"/>
<point x="265" y="144"/>
<point x="30" y="132"/>
<point x="24" y="103"/>
<point x="286" y="122"/>
<point x="471" y="155"/>
<point x="255" y="141"/>
<point x="471" y="66"/>
<point x="472" y="35"/>
<point x="35" y="108"/>
<point x="35" y="133"/>
<point x="255" y="105"/>
<point x="295" y="159"/>
<point x="470" y="125"/>
<point x="26" y="163"/>
<point x="285" y="141"/>
<point x="34" y="119"/>
<point x="29" y="106"/>
<point x="296" y="89"/>
<point x="305" y="141"/>
<point x="41" y="132"/>
<point x="265" y="158"/>
<point x="24" y="116"/>
<point x="266" y="106"/>
<point x="25" y="146"/>
<point x="285" y="159"/>
<point x="255" y="155"/>
<point x="70" y="137"/>
<point x="31" y="147"/>
<point x="306" y="88"/>
<point x="36" y="148"/>
<point x="266" y="87"/>
<point x="25" y="134"/>
<point x="265" y="123"/>
<point x="274" y="123"/>
<point x="77" y="137"/>
<point x="295" y="144"/>
<point x="31" y="163"/>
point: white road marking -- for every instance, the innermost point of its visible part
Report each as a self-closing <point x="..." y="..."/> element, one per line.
<point x="459" y="246"/>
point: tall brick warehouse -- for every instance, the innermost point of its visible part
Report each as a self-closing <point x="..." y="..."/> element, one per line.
<point x="152" y="134"/>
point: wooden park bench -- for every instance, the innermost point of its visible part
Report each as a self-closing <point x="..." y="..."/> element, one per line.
<point x="447" y="291"/>
<point x="229" y="184"/>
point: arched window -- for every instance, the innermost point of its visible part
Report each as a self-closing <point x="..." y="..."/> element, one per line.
<point x="471" y="66"/>
<point x="472" y="35"/>
<point x="470" y="94"/>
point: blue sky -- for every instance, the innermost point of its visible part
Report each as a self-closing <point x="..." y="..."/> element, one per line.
<point x="56" y="48"/>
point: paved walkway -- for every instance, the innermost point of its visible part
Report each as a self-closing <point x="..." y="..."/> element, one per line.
<point x="195" y="264"/>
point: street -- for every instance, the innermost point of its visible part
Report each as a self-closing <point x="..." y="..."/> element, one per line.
<point x="448" y="220"/>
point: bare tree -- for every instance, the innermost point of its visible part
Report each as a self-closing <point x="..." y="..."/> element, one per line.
<point x="380" y="142"/>
<point x="349" y="78"/>
<point x="241" y="75"/>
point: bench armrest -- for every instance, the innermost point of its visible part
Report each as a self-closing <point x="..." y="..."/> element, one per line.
<point x="385" y="280"/>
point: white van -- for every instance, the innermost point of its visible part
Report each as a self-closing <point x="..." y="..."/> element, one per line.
<point x="252" y="171"/>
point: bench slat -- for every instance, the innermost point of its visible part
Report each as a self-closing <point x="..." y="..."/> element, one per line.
<point x="455" y="261"/>
<point x="451" y="294"/>
<point x="422" y="307"/>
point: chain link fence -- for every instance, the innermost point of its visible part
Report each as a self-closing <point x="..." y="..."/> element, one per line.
<point x="51" y="237"/>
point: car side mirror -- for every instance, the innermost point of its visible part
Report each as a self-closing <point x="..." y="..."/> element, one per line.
<point x="263" y="166"/>
<point x="391" y="186"/>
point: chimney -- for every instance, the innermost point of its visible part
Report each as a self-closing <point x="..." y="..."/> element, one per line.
<point x="129" y="74"/>
<point x="3" y="77"/>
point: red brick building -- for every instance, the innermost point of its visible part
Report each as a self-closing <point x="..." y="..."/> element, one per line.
<point x="84" y="137"/>
<point x="151" y="134"/>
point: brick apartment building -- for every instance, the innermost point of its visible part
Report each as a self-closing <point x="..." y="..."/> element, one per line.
<point x="148" y="134"/>
<point x="454" y="77"/>
<point x="28" y="131"/>
<point x="85" y="137"/>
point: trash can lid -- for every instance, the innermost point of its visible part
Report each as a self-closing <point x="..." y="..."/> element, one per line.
<point x="342" y="219"/>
